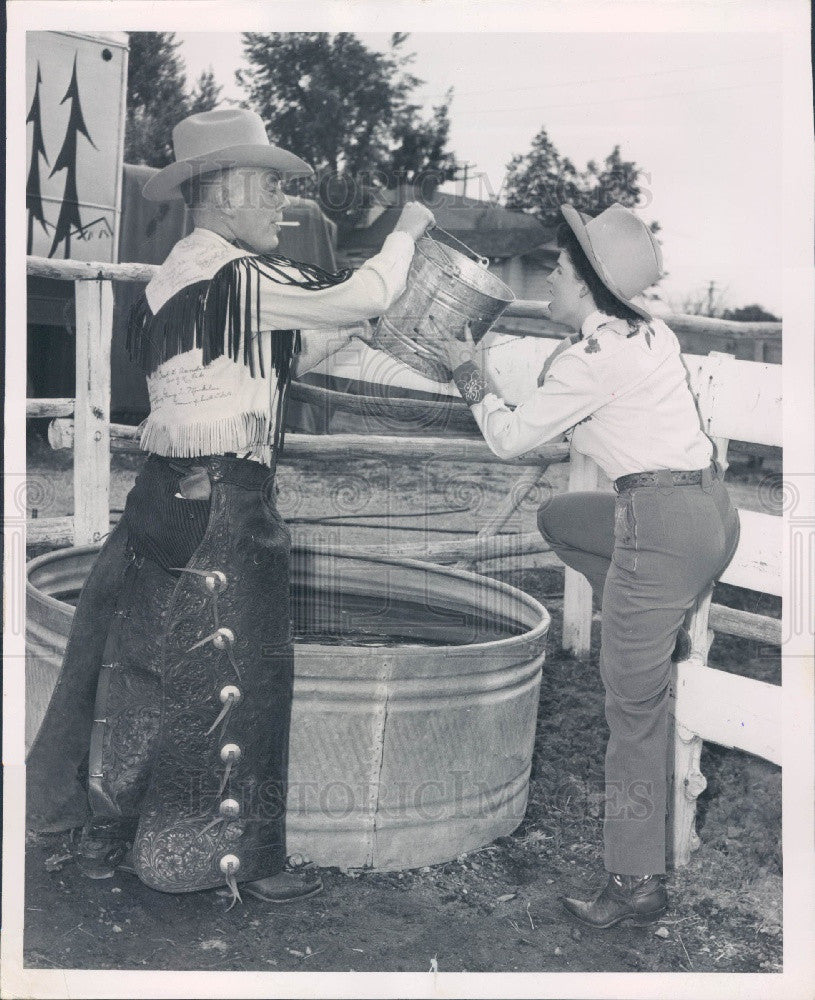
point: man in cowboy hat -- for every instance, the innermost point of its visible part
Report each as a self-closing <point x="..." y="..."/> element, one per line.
<point x="169" y="723"/>
<point x="619" y="388"/>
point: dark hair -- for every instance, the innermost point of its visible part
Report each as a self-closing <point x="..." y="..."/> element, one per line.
<point x="606" y="302"/>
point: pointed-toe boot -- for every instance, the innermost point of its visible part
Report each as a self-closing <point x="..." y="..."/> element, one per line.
<point x="640" y="899"/>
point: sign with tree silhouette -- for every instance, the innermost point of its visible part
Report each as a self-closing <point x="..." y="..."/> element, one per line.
<point x="76" y="95"/>
<point x="70" y="220"/>
<point x="33" y="196"/>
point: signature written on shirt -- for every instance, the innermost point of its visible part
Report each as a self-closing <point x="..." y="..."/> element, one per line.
<point x="184" y="387"/>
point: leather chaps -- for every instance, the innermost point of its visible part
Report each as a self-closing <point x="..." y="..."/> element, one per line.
<point x="176" y="685"/>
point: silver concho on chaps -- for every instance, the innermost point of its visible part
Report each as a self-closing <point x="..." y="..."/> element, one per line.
<point x="214" y="807"/>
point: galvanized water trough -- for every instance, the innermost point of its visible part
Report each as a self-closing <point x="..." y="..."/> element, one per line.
<point x="415" y="699"/>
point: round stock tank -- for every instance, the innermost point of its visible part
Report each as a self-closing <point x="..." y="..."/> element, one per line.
<point x="415" y="700"/>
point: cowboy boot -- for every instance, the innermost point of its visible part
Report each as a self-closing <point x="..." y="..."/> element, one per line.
<point x="102" y="846"/>
<point x="641" y="899"/>
<point x="285" y="887"/>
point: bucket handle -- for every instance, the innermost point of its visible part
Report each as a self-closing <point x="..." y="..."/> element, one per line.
<point x="482" y="261"/>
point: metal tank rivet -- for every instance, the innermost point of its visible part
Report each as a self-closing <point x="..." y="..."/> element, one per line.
<point x="230" y="808"/>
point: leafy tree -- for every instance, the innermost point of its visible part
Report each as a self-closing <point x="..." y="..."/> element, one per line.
<point x="419" y="153"/>
<point x="346" y="109"/>
<point x="542" y="180"/>
<point x="325" y="98"/>
<point x="157" y="97"/>
<point x="535" y="182"/>
<point x="751" y="314"/>
<point x="205" y="94"/>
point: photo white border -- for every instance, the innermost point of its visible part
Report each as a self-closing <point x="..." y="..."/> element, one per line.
<point x="787" y="17"/>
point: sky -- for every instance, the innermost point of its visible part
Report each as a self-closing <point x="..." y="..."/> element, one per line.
<point x="700" y="113"/>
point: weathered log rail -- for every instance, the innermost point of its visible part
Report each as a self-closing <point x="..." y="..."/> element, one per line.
<point x="757" y="341"/>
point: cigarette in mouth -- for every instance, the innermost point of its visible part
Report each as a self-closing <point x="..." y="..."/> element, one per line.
<point x="288" y="223"/>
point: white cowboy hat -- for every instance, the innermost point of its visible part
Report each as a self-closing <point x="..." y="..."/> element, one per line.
<point x="621" y="249"/>
<point x="215" y="140"/>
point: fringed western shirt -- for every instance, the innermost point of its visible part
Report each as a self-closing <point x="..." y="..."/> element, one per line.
<point x="620" y="389"/>
<point x="218" y="330"/>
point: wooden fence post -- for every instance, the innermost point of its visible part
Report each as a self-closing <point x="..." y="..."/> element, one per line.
<point x="577" y="613"/>
<point x="94" y="329"/>
<point x="686" y="781"/>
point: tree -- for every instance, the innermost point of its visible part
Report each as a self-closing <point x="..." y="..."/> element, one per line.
<point x="327" y="99"/>
<point x="419" y="153"/>
<point x="751" y="314"/>
<point x="345" y="108"/>
<point x="543" y="180"/>
<point x="70" y="221"/>
<point x="157" y="97"/>
<point x="33" y="194"/>
<point x="535" y="182"/>
<point x="205" y="94"/>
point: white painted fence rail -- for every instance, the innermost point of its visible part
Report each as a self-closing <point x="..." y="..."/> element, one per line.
<point x="743" y="400"/>
<point x="738" y="400"/>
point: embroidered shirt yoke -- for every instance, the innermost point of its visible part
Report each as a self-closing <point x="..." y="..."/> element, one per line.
<point x="623" y="393"/>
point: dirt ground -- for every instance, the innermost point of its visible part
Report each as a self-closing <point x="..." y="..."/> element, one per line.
<point x="495" y="909"/>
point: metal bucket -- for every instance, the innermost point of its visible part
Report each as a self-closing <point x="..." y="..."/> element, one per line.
<point x="415" y="701"/>
<point x="444" y="290"/>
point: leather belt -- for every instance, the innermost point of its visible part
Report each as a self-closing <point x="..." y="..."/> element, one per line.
<point x="227" y="468"/>
<point x="667" y="477"/>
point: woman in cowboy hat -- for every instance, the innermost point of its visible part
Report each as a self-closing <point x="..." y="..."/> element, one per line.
<point x="177" y="680"/>
<point x="620" y="389"/>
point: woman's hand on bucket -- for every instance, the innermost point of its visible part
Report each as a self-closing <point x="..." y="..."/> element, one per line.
<point x="415" y="220"/>
<point x="453" y="352"/>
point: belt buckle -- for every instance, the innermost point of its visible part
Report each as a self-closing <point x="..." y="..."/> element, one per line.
<point x="665" y="480"/>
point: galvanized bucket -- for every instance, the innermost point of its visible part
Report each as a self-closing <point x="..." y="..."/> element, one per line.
<point x="444" y="290"/>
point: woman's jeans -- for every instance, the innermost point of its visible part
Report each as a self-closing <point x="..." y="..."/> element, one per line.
<point x="649" y="552"/>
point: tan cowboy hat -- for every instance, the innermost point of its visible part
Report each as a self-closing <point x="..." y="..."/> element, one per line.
<point x="214" y="140"/>
<point x="621" y="249"/>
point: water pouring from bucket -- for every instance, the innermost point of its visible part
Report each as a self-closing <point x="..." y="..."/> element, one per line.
<point x="445" y="290"/>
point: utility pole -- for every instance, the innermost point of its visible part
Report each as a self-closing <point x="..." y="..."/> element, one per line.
<point x="466" y="168"/>
<point x="711" y="289"/>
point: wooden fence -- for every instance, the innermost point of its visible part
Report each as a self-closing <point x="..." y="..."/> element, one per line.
<point x="759" y="341"/>
<point x="739" y="400"/>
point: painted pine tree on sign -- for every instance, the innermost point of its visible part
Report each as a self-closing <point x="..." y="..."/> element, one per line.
<point x="33" y="194"/>
<point x="69" y="220"/>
